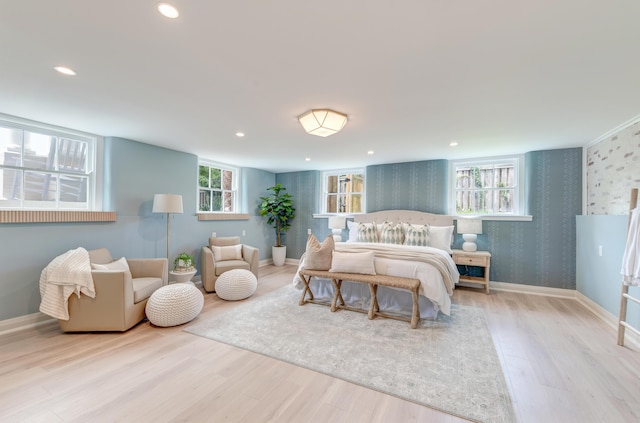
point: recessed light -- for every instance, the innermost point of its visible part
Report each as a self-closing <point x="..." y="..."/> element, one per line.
<point x="307" y="159"/>
<point x="168" y="10"/>
<point x="239" y="134"/>
<point x="370" y="152"/>
<point x="65" y="70"/>
<point x="453" y="143"/>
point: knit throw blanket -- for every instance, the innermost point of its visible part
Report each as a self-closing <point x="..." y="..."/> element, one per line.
<point x="67" y="274"/>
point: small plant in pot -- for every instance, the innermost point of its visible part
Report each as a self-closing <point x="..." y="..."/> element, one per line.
<point x="278" y="207"/>
<point x="183" y="263"/>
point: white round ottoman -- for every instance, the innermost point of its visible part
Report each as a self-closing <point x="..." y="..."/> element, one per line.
<point x="236" y="284"/>
<point x="173" y="305"/>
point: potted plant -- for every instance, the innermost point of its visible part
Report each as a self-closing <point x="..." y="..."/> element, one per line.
<point x="278" y="207"/>
<point x="183" y="263"/>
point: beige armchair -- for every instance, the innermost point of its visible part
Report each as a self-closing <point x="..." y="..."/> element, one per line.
<point x="213" y="265"/>
<point x="121" y="296"/>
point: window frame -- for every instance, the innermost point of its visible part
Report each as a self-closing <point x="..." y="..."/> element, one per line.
<point x="519" y="204"/>
<point x="324" y="191"/>
<point x="92" y="165"/>
<point x="235" y="186"/>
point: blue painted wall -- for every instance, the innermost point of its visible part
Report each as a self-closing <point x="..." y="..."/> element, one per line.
<point x="540" y="253"/>
<point x="134" y="172"/>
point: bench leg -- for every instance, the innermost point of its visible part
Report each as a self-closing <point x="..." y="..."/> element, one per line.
<point x="305" y="290"/>
<point x="374" y="301"/>
<point x="415" y="316"/>
<point x="337" y="295"/>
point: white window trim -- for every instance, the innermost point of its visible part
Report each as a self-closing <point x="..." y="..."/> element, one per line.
<point x="520" y="206"/>
<point x="95" y="155"/>
<point x="236" y="184"/>
<point x="323" y="191"/>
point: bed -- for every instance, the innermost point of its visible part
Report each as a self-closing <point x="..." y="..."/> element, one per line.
<point x="431" y="264"/>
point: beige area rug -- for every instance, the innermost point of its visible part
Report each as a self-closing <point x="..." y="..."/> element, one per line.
<point x="449" y="364"/>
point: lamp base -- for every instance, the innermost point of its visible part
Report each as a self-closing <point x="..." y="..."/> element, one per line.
<point x="469" y="242"/>
<point x="337" y="235"/>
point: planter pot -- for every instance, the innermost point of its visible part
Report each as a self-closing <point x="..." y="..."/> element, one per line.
<point x="279" y="255"/>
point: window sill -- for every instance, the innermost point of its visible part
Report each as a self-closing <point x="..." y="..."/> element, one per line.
<point x="223" y="216"/>
<point x="55" y="216"/>
<point x="520" y="218"/>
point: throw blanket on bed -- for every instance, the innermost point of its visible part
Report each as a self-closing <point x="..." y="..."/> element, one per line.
<point x="433" y="256"/>
<point x="423" y="263"/>
<point x="66" y="274"/>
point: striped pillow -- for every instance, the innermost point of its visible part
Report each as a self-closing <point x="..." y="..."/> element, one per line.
<point x="392" y="233"/>
<point x="367" y="232"/>
<point x="417" y="235"/>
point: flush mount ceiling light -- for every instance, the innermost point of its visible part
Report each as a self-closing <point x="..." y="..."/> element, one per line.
<point x="168" y="10"/>
<point x="322" y="122"/>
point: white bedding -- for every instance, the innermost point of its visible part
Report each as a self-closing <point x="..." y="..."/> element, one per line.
<point x="434" y="268"/>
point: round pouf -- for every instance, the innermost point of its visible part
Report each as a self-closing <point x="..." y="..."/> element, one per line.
<point x="236" y="284"/>
<point x="173" y="305"/>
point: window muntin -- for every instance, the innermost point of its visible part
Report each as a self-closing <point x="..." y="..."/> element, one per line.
<point x="45" y="169"/>
<point x="217" y="188"/>
<point x="487" y="187"/>
<point x="343" y="191"/>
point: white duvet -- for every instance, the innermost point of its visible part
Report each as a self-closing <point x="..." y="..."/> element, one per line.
<point x="434" y="268"/>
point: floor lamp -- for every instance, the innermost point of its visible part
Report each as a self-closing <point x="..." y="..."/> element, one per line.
<point x="167" y="203"/>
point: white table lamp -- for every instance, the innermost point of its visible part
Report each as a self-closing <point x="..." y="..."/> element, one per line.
<point x="336" y="224"/>
<point x="469" y="228"/>
<point x="167" y="203"/>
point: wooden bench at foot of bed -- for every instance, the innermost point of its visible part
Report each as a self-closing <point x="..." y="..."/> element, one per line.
<point x="412" y="285"/>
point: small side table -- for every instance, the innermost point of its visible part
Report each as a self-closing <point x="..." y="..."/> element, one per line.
<point x="182" y="277"/>
<point x="477" y="259"/>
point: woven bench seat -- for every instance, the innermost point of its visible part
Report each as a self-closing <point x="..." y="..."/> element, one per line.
<point x="410" y="284"/>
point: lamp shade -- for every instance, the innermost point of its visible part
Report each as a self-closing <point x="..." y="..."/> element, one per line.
<point x="322" y="122"/>
<point x="469" y="226"/>
<point x="167" y="203"/>
<point x="337" y="222"/>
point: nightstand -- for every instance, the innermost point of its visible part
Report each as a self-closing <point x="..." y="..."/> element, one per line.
<point x="476" y="259"/>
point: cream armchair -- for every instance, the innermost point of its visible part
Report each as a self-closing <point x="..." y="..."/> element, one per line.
<point x="226" y="253"/>
<point x="121" y="296"/>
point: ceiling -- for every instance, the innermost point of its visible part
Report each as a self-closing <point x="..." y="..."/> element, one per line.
<point x="497" y="76"/>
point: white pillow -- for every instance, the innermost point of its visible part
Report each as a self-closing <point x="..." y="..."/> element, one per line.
<point x="120" y="264"/>
<point x="231" y="252"/>
<point x="353" y="263"/>
<point x="353" y="231"/>
<point x="440" y="237"/>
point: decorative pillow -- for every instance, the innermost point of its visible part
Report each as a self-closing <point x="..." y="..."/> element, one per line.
<point x="318" y="256"/>
<point x="392" y="233"/>
<point x="416" y="235"/>
<point x="353" y="263"/>
<point x="441" y="237"/>
<point x="120" y="264"/>
<point x="353" y="231"/>
<point x="231" y="252"/>
<point x="367" y="232"/>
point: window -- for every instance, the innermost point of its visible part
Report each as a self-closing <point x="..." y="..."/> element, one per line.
<point x="491" y="187"/>
<point x="343" y="191"/>
<point x="217" y="188"/>
<point x="45" y="168"/>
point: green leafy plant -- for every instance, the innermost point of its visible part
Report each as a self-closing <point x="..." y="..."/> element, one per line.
<point x="183" y="263"/>
<point x="278" y="207"/>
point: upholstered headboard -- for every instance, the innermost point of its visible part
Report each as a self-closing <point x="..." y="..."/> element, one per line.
<point x="408" y="216"/>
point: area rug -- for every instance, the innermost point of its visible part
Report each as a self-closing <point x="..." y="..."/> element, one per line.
<point x="449" y="364"/>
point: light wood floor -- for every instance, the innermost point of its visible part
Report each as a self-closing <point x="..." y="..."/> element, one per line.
<point x="560" y="362"/>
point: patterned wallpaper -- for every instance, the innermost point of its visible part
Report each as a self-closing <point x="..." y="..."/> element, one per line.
<point x="541" y="252"/>
<point x="613" y="168"/>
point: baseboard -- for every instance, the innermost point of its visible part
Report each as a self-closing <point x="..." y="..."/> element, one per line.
<point x="533" y="290"/>
<point x="23" y="322"/>
<point x="608" y="318"/>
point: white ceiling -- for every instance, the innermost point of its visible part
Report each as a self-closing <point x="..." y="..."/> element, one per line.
<point x="498" y="76"/>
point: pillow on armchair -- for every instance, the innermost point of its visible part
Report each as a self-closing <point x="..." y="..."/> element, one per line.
<point x="231" y="252"/>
